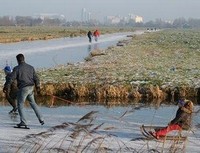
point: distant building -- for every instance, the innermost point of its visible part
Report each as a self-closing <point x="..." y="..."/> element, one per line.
<point x="112" y="19"/>
<point x="89" y="16"/>
<point x="138" y="19"/>
<point x="131" y="16"/>
<point x="84" y="15"/>
<point x="123" y="20"/>
<point x="49" y="19"/>
<point x="44" y="16"/>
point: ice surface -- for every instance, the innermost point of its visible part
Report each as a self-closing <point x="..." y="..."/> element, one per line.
<point x="49" y="53"/>
<point x="114" y="129"/>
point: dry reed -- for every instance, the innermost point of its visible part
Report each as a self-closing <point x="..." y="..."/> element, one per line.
<point x="85" y="136"/>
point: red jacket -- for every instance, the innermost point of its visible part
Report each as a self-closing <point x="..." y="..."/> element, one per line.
<point x="96" y="33"/>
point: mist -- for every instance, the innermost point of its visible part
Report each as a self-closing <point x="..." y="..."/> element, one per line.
<point x="71" y="9"/>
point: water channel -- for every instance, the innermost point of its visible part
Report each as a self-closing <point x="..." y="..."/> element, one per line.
<point x="51" y="53"/>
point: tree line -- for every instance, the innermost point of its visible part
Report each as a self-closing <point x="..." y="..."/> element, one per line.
<point x="158" y="23"/>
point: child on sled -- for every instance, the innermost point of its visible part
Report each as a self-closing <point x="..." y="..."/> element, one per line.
<point x="182" y="120"/>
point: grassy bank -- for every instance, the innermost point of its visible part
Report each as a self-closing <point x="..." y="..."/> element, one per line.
<point x="16" y="34"/>
<point x="163" y="64"/>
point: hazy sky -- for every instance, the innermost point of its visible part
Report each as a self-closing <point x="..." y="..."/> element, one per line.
<point x="148" y="9"/>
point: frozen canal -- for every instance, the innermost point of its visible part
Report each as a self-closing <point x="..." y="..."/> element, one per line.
<point x="50" y="53"/>
<point x="116" y="128"/>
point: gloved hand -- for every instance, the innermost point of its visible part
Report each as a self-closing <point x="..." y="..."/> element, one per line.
<point x="38" y="90"/>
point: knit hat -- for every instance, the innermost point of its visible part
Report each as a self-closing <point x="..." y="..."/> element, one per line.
<point x="8" y="69"/>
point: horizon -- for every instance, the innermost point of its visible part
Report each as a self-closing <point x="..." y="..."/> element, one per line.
<point x="71" y="9"/>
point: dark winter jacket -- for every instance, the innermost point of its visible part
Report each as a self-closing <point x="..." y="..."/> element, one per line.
<point x="25" y="75"/>
<point x="183" y="118"/>
<point x="12" y="93"/>
<point x="89" y="34"/>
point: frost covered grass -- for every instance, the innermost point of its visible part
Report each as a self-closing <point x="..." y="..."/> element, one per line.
<point x="169" y="56"/>
<point x="168" y="59"/>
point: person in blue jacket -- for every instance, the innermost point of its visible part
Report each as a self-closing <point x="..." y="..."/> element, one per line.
<point x="11" y="94"/>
